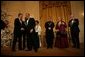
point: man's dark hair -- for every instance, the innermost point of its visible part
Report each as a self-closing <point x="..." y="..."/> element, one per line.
<point x="20" y="14"/>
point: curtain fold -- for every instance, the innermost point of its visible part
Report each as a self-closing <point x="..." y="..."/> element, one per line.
<point x="53" y="9"/>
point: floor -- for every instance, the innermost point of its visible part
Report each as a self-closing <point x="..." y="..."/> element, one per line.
<point x="45" y="52"/>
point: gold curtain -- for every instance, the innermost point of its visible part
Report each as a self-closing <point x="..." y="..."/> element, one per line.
<point x="53" y="9"/>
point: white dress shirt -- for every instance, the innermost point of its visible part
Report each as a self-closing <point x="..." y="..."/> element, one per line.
<point x="27" y="21"/>
<point x="72" y="21"/>
<point x="38" y="29"/>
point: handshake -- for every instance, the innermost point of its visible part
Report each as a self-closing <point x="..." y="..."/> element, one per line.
<point x="31" y="30"/>
<point x="49" y="28"/>
<point x="22" y="29"/>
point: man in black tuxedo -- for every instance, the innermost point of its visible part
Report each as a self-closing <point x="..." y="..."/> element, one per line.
<point x="19" y="28"/>
<point x="49" y="25"/>
<point x="73" y="24"/>
<point x="30" y="31"/>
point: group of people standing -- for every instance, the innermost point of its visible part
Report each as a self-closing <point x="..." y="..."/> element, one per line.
<point x="24" y="31"/>
<point x="62" y="39"/>
<point x="29" y="30"/>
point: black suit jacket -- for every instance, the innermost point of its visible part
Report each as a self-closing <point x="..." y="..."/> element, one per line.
<point x="31" y="25"/>
<point x="51" y="25"/>
<point x="74" y="27"/>
<point x="18" y="26"/>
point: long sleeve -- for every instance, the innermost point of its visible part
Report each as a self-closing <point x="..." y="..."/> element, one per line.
<point x="52" y="25"/>
<point x="39" y="30"/>
<point x="31" y="23"/>
<point x="65" y="25"/>
<point x="16" y="26"/>
<point x="77" y="21"/>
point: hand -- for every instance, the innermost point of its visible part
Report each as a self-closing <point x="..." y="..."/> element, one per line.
<point x="31" y="30"/>
<point x="49" y="28"/>
<point x="57" y="30"/>
<point x="22" y="28"/>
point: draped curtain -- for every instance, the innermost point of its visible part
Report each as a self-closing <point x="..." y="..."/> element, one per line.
<point x="53" y="9"/>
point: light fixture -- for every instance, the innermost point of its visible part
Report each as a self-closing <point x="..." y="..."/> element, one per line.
<point x="83" y="14"/>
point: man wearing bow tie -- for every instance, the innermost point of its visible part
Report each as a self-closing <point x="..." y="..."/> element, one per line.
<point x="30" y="29"/>
<point x="73" y="24"/>
<point x="49" y="25"/>
<point x="18" y="32"/>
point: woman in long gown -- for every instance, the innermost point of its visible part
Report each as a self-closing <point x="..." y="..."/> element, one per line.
<point x="38" y="33"/>
<point x="61" y="35"/>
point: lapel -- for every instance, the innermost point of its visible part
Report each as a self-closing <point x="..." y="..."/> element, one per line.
<point x="27" y="22"/>
<point x="20" y="22"/>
